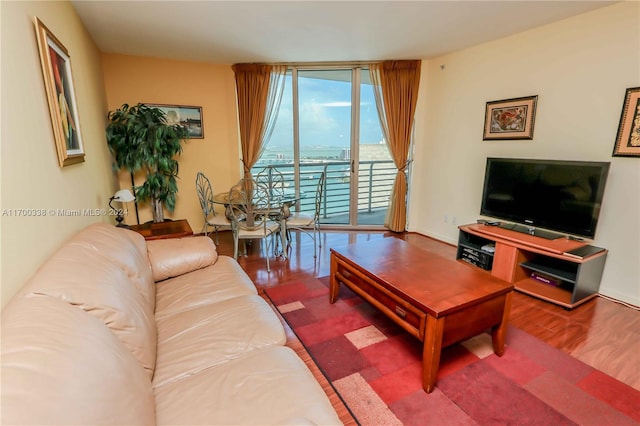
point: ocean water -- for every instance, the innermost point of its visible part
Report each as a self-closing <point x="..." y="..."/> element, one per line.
<point x="280" y="155"/>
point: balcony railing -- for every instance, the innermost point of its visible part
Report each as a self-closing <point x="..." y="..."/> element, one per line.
<point x="375" y="180"/>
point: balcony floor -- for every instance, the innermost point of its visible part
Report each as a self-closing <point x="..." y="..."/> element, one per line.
<point x="364" y="218"/>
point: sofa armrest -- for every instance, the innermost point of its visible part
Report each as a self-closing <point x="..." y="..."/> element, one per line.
<point x="173" y="257"/>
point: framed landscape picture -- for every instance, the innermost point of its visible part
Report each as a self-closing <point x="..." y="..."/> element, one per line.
<point x="189" y="117"/>
<point x="628" y="140"/>
<point x="510" y="118"/>
<point x="61" y="96"/>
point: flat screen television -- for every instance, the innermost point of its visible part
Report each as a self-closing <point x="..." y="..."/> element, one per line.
<point x="562" y="196"/>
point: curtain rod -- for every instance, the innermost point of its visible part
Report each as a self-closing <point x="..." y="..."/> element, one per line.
<point x="336" y="64"/>
<point x="328" y="63"/>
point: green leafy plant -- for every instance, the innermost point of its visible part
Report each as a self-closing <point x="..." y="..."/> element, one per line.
<point x="140" y="138"/>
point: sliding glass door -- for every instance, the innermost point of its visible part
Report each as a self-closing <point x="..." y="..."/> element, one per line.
<point x="328" y="123"/>
<point x="324" y="136"/>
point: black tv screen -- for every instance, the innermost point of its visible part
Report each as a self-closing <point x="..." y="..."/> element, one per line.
<point x="563" y="196"/>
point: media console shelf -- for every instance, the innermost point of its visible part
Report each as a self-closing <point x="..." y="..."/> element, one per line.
<point x="560" y="278"/>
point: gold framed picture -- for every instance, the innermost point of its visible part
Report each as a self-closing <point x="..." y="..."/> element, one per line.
<point x="628" y="140"/>
<point x="510" y="118"/>
<point x="61" y="96"/>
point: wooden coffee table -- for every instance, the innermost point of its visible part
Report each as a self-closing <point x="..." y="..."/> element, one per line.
<point x="440" y="301"/>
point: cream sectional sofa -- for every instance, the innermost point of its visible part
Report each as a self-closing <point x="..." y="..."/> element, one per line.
<point x="116" y="330"/>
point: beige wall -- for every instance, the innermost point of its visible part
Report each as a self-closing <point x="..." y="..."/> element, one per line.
<point x="132" y="79"/>
<point x="31" y="177"/>
<point x="579" y="68"/>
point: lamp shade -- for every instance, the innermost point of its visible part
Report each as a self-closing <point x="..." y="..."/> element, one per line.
<point x="124" y="195"/>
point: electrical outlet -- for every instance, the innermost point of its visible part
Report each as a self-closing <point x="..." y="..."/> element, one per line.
<point x="453" y="220"/>
<point x="446" y="219"/>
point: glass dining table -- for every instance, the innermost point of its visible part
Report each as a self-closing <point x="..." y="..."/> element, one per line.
<point x="279" y="210"/>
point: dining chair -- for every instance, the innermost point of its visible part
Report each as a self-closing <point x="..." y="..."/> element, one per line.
<point x="211" y="218"/>
<point x="273" y="179"/>
<point x="251" y="212"/>
<point x="301" y="222"/>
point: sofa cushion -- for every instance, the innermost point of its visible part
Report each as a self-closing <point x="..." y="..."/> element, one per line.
<point x="125" y="248"/>
<point x="173" y="257"/>
<point x="266" y="386"/>
<point x="63" y="366"/>
<point x="221" y="281"/>
<point x="194" y="340"/>
<point x="100" y="287"/>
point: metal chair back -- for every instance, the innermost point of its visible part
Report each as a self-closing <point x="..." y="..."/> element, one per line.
<point x="205" y="195"/>
<point x="250" y="205"/>
<point x="273" y="179"/>
<point x="318" y="201"/>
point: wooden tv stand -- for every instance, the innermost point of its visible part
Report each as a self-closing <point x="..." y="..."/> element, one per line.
<point x="518" y="256"/>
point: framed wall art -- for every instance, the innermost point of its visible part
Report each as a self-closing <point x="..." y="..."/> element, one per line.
<point x="187" y="116"/>
<point x="510" y="118"/>
<point x="61" y="96"/>
<point x="628" y="140"/>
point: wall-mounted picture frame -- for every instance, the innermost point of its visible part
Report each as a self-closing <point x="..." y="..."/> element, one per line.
<point x="510" y="118"/>
<point x="188" y="116"/>
<point x="628" y="140"/>
<point x="61" y="96"/>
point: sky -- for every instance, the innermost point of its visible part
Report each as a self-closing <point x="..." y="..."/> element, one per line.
<point x="325" y="114"/>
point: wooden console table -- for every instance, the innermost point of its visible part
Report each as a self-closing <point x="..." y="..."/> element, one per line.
<point x="163" y="230"/>
<point x="438" y="300"/>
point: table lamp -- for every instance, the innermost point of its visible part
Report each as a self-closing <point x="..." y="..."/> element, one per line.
<point x="122" y="196"/>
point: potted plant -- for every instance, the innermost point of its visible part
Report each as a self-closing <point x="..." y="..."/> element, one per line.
<point x="139" y="138"/>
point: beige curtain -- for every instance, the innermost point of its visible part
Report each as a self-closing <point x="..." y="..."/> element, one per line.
<point x="259" y="90"/>
<point x="395" y="85"/>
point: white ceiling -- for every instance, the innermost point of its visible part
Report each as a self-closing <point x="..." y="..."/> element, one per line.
<point x="311" y="31"/>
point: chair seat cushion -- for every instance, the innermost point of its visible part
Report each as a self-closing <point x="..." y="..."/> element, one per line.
<point x="271" y="227"/>
<point x="218" y="220"/>
<point x="300" y="220"/>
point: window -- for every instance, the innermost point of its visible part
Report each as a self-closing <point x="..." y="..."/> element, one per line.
<point x="319" y="130"/>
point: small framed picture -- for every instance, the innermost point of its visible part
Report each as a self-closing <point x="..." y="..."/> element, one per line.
<point x="61" y="96"/>
<point x="510" y="118"/>
<point x="628" y="140"/>
<point x="189" y="117"/>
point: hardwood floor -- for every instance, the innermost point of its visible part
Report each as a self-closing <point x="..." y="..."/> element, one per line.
<point x="601" y="332"/>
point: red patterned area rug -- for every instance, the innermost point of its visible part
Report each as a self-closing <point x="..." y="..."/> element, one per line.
<point x="375" y="366"/>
